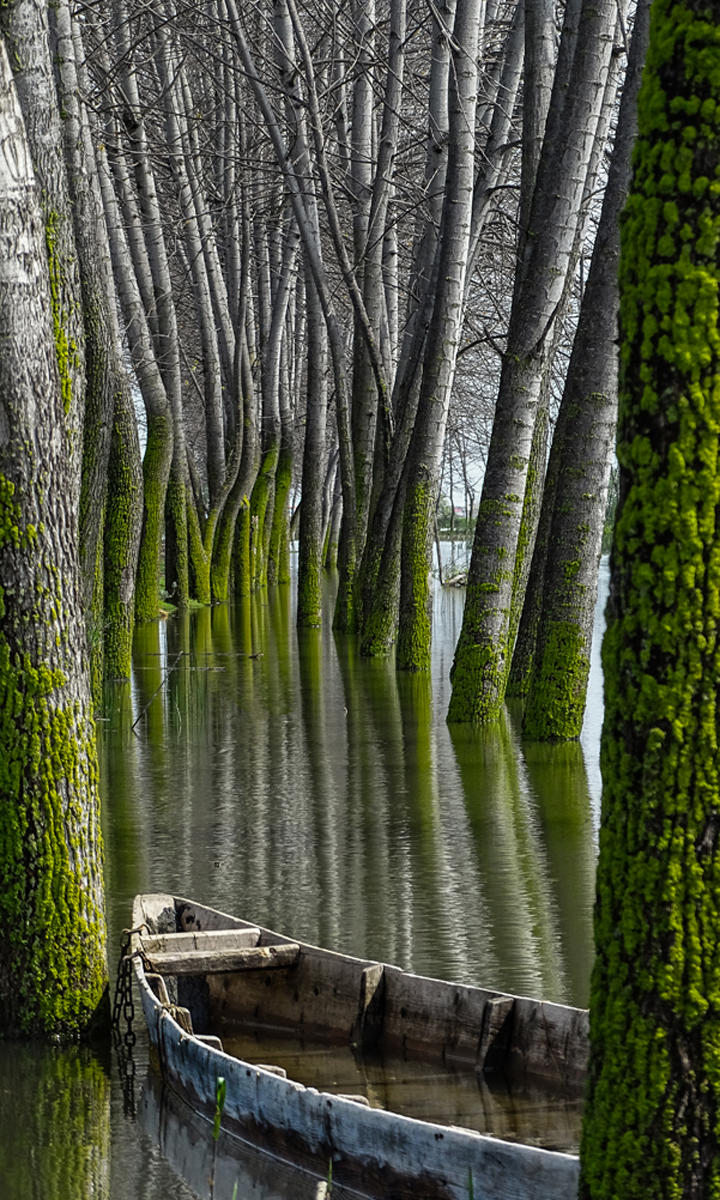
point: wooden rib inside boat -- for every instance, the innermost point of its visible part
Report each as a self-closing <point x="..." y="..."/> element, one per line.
<point x="212" y="983"/>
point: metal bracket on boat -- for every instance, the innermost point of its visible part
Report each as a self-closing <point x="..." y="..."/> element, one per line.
<point x="495" y="1033"/>
<point x="371" y="1007"/>
<point x="179" y="1014"/>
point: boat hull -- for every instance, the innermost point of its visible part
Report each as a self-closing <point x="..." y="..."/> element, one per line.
<point x="373" y="1152"/>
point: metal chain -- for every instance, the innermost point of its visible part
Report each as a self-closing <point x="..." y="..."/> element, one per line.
<point x="124" y="1006"/>
<point x="124" y="1010"/>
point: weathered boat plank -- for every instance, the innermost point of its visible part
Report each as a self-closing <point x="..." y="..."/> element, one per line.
<point x="549" y="1040"/>
<point x="321" y="996"/>
<point x="217" y="939"/>
<point x="218" y="962"/>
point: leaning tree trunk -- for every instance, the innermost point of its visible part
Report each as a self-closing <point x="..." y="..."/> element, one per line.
<point x="653" y="1103"/>
<point x="484" y="651"/>
<point x="53" y="972"/>
<point x="423" y="474"/>
<point x="581" y="457"/>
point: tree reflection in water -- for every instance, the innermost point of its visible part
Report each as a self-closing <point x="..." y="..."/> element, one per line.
<point x="282" y="777"/>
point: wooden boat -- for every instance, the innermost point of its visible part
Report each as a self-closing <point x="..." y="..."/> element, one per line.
<point x="205" y="978"/>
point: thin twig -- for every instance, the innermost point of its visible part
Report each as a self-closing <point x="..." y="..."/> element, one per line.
<point x="157" y="689"/>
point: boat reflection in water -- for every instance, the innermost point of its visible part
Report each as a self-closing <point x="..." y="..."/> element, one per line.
<point x="212" y="1169"/>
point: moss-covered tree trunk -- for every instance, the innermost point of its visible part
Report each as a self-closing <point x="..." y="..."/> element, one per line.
<point x="484" y="651"/>
<point x="158" y="454"/>
<point x="53" y="972"/>
<point x="653" y="1107"/>
<point x="309" y="602"/>
<point x="579" y="467"/>
<point x="121" y="539"/>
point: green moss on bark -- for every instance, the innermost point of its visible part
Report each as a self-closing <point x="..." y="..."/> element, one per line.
<point x="262" y="496"/>
<point x="279" y="554"/>
<point x="199" y="558"/>
<point x="243" y="572"/>
<point x="414" y="629"/>
<point x="177" y="551"/>
<point x="309" y="594"/>
<point x="65" y="348"/>
<point x="653" y="1109"/>
<point x="53" y="975"/>
<point x="556" y="703"/>
<point x="156" y="468"/>
<point x="479" y="673"/>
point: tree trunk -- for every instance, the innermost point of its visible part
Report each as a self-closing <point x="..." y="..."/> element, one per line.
<point x="653" y="1102"/>
<point x="26" y="25"/>
<point x="585" y="436"/>
<point x="121" y="537"/>
<point x="158" y="455"/>
<point x="53" y="971"/>
<point x="423" y="475"/>
<point x="309" y="609"/>
<point x="484" y="652"/>
<point x="111" y="495"/>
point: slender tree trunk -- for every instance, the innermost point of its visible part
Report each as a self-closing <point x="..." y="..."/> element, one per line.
<point x="309" y="610"/>
<point x="381" y="563"/>
<point x="121" y="537"/>
<point x="111" y="495"/>
<point x="157" y="459"/>
<point x="53" y="971"/>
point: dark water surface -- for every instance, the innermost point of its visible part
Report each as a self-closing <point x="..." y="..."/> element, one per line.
<point x="280" y="777"/>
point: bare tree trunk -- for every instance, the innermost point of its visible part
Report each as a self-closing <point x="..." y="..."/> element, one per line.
<point x="111" y="496"/>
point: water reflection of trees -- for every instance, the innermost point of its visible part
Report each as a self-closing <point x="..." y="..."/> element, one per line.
<point x="55" y="1121"/>
<point x="529" y="810"/>
<point x="283" y="776"/>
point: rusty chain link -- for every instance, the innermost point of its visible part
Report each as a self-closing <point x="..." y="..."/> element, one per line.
<point x="124" y="1010"/>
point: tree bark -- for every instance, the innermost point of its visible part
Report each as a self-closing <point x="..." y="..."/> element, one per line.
<point x="483" y="655"/>
<point x="653" y="1101"/>
<point x="309" y="610"/>
<point x="53" y="971"/>
<point x="423" y="476"/>
<point x="581" y="459"/>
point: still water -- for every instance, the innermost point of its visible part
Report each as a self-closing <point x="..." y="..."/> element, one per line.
<point x="277" y="775"/>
